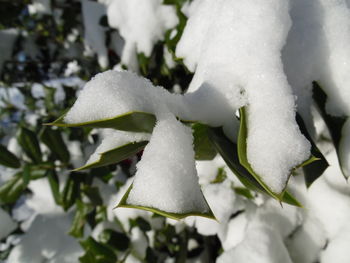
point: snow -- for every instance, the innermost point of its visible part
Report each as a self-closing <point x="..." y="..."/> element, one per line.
<point x="47" y="241"/>
<point x="114" y="139"/>
<point x="94" y="32"/>
<point x="114" y="93"/>
<point x="7" y="225"/>
<point x="169" y="171"/>
<point x="141" y="24"/>
<point x="224" y="55"/>
<point x="261" y="244"/>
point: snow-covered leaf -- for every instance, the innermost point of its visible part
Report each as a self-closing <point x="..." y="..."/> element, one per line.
<point x="131" y="121"/>
<point x="242" y="155"/>
<point x="176" y="216"/>
<point x="228" y="150"/>
<point x="115" y="155"/>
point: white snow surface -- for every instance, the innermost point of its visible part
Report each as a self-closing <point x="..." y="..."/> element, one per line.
<point x="94" y="32"/>
<point x="226" y="56"/>
<point x="141" y="24"/>
<point x="166" y="177"/>
<point x="7" y="225"/>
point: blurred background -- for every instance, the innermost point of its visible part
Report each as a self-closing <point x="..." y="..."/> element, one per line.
<point x="48" y="50"/>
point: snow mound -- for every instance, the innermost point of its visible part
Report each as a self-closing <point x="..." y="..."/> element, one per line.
<point x="166" y="178"/>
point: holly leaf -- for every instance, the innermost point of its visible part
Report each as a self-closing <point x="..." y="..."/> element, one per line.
<point x="8" y="159"/>
<point x="116" y="155"/>
<point x="177" y="216"/>
<point x="131" y="121"/>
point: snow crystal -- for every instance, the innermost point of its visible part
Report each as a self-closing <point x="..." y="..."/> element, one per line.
<point x="113" y="139"/>
<point x="166" y="177"/>
<point x="140" y="23"/>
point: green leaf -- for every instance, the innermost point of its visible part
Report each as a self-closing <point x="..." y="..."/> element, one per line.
<point x="28" y="141"/>
<point x="54" y="184"/>
<point x="8" y="159"/>
<point x="12" y="189"/>
<point x="93" y="194"/>
<point x="123" y="203"/>
<point x="72" y="189"/>
<point x="220" y="176"/>
<point x="334" y="124"/>
<point x="54" y="141"/>
<point x="203" y="147"/>
<point x="228" y="150"/>
<point x="97" y="252"/>
<point x="115" y="239"/>
<point x="82" y="210"/>
<point x="116" y="155"/>
<point x="312" y="170"/>
<point x="26" y="174"/>
<point x="244" y="192"/>
<point x="131" y="121"/>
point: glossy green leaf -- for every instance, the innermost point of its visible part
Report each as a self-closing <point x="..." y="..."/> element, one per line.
<point x="131" y="121"/>
<point x="243" y="192"/>
<point x="93" y="194"/>
<point x="54" y="141"/>
<point x="115" y="239"/>
<point x="54" y="185"/>
<point x="334" y="124"/>
<point x="11" y="190"/>
<point x="176" y="216"/>
<point x="116" y="155"/>
<point x="220" y="176"/>
<point x="72" y="190"/>
<point x="96" y="252"/>
<point x="228" y="150"/>
<point x="26" y="174"/>
<point x="82" y="210"/>
<point x="312" y="170"/>
<point x="203" y="147"/>
<point x="27" y="139"/>
<point x="8" y="159"/>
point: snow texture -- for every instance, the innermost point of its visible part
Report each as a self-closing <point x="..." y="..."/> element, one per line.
<point x="167" y="167"/>
<point x="141" y="24"/>
<point x="114" y="139"/>
<point x="47" y="241"/>
<point x="224" y="54"/>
